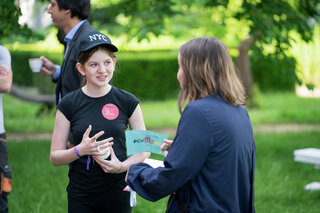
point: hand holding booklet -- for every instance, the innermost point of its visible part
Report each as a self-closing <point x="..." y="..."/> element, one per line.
<point x="144" y="141"/>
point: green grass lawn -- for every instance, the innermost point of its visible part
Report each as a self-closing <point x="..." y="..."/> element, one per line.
<point x="279" y="181"/>
<point x="21" y="116"/>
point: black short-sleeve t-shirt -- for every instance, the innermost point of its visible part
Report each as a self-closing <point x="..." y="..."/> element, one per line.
<point x="109" y="113"/>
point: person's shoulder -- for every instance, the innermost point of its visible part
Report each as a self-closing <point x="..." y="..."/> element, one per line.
<point x="87" y="27"/>
<point x="121" y="92"/>
<point x="204" y="102"/>
<point x="71" y="99"/>
<point x="210" y="104"/>
<point x="72" y="95"/>
<point x="84" y="30"/>
<point x="5" y="57"/>
<point x="4" y="50"/>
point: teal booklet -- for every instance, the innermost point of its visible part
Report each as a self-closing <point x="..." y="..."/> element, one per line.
<point x="144" y="141"/>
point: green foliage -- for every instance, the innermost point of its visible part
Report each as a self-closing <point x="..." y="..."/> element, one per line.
<point x="139" y="17"/>
<point x="148" y="75"/>
<point x="9" y="16"/>
<point x="151" y="75"/>
<point x="307" y="54"/>
<point x="271" y="21"/>
<point x="23" y="75"/>
<point x="148" y="78"/>
<point x="273" y="72"/>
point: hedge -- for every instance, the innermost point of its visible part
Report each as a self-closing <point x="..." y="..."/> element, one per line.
<point x="22" y="74"/>
<point x="154" y="77"/>
<point x="148" y="78"/>
<point x="274" y="73"/>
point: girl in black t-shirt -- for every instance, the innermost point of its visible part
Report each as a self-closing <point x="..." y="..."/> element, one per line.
<point x="97" y="116"/>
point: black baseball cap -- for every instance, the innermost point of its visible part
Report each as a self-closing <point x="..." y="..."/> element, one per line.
<point x="94" y="38"/>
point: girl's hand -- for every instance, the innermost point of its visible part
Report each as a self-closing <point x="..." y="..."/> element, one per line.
<point x="89" y="146"/>
<point x="165" y="147"/>
<point x="110" y="166"/>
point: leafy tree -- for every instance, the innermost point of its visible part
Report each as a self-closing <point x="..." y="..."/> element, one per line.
<point x="9" y="17"/>
<point x="270" y="22"/>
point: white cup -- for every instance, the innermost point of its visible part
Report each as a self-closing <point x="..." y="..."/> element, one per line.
<point x="35" y="64"/>
<point x="104" y="151"/>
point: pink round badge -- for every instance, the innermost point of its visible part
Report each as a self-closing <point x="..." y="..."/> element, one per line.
<point x="110" y="111"/>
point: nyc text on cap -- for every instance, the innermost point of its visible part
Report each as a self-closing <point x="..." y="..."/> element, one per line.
<point x="92" y="39"/>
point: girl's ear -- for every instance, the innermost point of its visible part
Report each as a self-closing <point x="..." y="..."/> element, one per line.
<point x="80" y="68"/>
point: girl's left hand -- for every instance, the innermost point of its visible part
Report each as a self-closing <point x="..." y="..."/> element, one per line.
<point x="110" y="166"/>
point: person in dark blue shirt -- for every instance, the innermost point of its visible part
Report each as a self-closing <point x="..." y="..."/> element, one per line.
<point x="210" y="165"/>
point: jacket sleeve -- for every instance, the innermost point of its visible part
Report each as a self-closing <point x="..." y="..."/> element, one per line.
<point x="187" y="155"/>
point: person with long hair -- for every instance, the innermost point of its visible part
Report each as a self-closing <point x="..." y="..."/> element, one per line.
<point x="210" y="164"/>
<point x="97" y="116"/>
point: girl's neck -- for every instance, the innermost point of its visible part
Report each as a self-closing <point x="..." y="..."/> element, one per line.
<point x="96" y="92"/>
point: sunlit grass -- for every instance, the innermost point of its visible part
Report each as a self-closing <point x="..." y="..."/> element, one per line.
<point x="21" y="116"/>
<point x="307" y="55"/>
<point x="285" y="108"/>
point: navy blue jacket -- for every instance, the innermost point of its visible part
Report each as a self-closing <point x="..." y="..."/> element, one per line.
<point x="211" y="162"/>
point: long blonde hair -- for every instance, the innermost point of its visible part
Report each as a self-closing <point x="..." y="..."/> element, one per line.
<point x="208" y="69"/>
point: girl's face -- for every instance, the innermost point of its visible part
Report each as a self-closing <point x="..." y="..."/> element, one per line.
<point x="99" y="69"/>
<point x="180" y="72"/>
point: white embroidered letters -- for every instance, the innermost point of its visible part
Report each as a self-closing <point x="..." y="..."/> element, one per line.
<point x="95" y="37"/>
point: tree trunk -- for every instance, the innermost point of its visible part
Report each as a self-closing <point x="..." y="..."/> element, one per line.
<point x="243" y="66"/>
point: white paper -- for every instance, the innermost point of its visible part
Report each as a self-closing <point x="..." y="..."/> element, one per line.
<point x="154" y="163"/>
<point x="133" y="196"/>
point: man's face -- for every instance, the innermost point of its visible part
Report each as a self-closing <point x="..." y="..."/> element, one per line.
<point x="58" y="16"/>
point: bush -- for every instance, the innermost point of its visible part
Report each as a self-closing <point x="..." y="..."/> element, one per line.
<point x="152" y="75"/>
<point x="273" y="73"/>
<point x="22" y="74"/>
<point x="148" y="78"/>
<point x="146" y="75"/>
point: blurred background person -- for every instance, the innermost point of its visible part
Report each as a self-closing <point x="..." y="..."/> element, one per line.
<point x="70" y="16"/>
<point x="5" y="85"/>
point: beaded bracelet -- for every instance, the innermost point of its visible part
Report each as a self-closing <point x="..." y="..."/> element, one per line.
<point x="120" y="168"/>
<point x="76" y="151"/>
